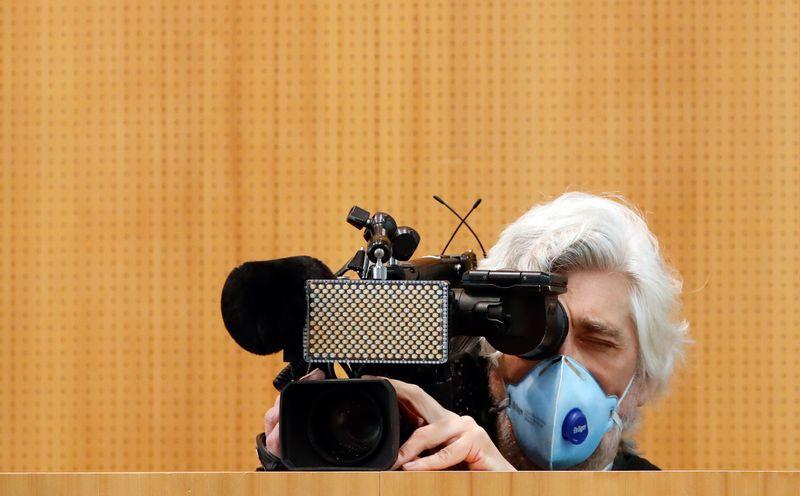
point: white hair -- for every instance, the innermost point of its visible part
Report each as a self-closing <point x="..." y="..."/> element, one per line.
<point x="581" y="231"/>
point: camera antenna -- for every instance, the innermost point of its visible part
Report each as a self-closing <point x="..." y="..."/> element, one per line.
<point x="463" y="222"/>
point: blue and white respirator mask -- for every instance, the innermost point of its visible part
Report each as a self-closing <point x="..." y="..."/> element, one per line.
<point x="559" y="413"/>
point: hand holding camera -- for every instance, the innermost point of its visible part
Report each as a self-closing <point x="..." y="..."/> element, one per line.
<point x="272" y="417"/>
<point x="455" y="439"/>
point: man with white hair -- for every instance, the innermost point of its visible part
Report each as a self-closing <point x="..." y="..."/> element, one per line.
<point x="574" y="410"/>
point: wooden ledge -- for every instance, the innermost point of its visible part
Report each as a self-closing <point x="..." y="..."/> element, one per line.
<point x="699" y="482"/>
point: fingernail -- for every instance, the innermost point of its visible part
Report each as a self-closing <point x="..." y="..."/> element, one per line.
<point x="409" y="466"/>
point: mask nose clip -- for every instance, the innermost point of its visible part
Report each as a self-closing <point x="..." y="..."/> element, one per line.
<point x="552" y="361"/>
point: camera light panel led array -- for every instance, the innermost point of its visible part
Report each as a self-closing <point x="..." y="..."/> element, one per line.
<point x="373" y="321"/>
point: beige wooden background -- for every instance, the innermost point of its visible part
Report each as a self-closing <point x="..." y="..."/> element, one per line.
<point x="146" y="148"/>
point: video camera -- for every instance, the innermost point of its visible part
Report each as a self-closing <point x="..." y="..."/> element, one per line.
<point x="414" y="320"/>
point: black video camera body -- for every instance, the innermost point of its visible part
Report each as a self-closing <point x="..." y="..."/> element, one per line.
<point x="418" y="321"/>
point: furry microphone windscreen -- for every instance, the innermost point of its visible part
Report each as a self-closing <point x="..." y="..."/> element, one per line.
<point x="264" y="303"/>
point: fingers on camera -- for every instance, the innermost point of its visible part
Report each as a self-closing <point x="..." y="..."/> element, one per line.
<point x="444" y="432"/>
<point x="314" y="375"/>
<point x="273" y="441"/>
<point x="272" y="417"/>
<point x="415" y="399"/>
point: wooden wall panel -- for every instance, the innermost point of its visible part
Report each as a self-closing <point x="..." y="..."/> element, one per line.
<point x="146" y="148"/>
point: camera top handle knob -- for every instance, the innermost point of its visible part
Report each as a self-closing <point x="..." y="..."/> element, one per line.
<point x="385" y="239"/>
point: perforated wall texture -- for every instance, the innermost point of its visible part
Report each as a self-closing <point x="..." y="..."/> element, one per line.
<point x="148" y="148"/>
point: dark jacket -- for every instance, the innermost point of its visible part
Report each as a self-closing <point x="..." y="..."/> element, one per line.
<point x="629" y="461"/>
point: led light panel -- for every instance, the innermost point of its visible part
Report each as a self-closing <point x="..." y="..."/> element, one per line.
<point x="371" y="321"/>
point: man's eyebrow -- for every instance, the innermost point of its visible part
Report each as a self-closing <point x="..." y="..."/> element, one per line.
<point x="598" y="326"/>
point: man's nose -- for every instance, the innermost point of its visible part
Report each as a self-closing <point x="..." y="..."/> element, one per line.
<point x="569" y="348"/>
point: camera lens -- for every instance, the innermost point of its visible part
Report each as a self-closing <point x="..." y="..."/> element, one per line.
<point x="345" y="425"/>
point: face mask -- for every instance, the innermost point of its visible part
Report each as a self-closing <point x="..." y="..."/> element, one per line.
<point x="559" y="413"/>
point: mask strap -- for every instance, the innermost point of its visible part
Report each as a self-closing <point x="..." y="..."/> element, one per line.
<point x="614" y="415"/>
<point x="500" y="406"/>
<point x="625" y="393"/>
